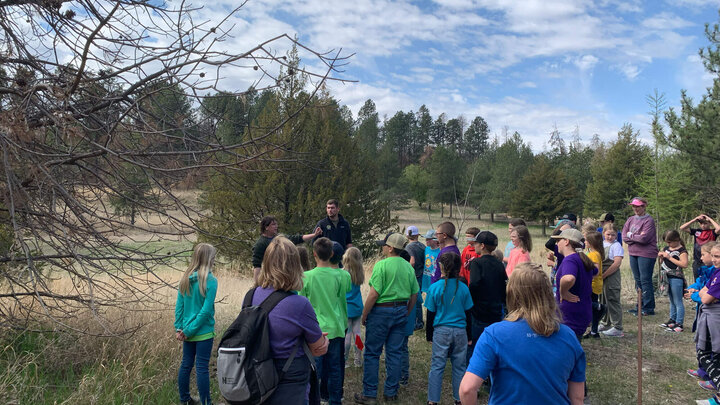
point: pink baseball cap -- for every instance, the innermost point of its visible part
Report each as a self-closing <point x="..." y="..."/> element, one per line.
<point x="638" y="202"/>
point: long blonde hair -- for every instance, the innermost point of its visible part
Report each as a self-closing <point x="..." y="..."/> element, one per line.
<point x="530" y="297"/>
<point x="281" y="267"/>
<point x="202" y="261"/>
<point x="353" y="262"/>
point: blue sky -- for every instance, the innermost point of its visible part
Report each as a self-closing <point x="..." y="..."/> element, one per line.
<point x="524" y="65"/>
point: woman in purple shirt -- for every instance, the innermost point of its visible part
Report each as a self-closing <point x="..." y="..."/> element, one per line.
<point x="291" y="322"/>
<point x="640" y="235"/>
<point x="574" y="282"/>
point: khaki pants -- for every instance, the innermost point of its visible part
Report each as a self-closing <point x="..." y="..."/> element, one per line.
<point x="611" y="298"/>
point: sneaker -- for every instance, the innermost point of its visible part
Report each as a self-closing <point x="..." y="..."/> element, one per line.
<point x="693" y="373"/>
<point x="648" y="313"/>
<point x="613" y="332"/>
<point x="192" y="401"/>
<point x="362" y="399"/>
<point x="591" y="335"/>
<point x="678" y="328"/>
<point x="706" y="385"/>
<point x="632" y="311"/>
<point x="670" y="323"/>
<point x="391" y="398"/>
<point x="711" y="401"/>
<point x="602" y="327"/>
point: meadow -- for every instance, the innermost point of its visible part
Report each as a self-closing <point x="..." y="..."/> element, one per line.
<point x="57" y="367"/>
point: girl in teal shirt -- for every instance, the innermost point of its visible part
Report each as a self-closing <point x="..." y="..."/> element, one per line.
<point x="195" y="322"/>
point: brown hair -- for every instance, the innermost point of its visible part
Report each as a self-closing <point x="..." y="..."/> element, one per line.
<point x="353" y="263"/>
<point x="333" y="201"/>
<point x="450" y="266"/>
<point x="323" y="248"/>
<point x="304" y="257"/>
<point x="530" y="297"/>
<point x="673" y="236"/>
<point x="201" y="261"/>
<point x="281" y="267"/>
<point x="448" y="228"/>
<point x="265" y="222"/>
<point x="524" y="234"/>
<point x="472" y="231"/>
<point x="594" y="241"/>
<point x="578" y="247"/>
<point x="587" y="228"/>
<point x="608" y="227"/>
<point x="517" y="222"/>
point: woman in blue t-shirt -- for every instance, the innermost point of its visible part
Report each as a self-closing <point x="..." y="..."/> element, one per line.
<point x="542" y="361"/>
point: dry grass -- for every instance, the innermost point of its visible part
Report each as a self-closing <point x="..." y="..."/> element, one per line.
<point x="60" y="368"/>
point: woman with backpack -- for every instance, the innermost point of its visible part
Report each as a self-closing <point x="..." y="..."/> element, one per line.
<point x="195" y="322"/>
<point x="292" y="322"/>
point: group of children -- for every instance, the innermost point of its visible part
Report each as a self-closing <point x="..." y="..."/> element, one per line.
<point x="465" y="293"/>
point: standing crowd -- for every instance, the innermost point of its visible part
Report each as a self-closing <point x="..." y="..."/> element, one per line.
<point x="497" y="317"/>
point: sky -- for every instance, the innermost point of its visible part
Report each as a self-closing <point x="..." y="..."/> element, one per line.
<point x="523" y="65"/>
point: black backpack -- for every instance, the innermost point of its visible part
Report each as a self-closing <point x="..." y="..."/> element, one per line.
<point x="245" y="366"/>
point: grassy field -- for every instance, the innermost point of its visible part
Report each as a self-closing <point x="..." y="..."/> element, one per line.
<point x="140" y="368"/>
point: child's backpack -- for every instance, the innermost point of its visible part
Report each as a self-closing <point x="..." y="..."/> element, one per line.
<point x="245" y="366"/>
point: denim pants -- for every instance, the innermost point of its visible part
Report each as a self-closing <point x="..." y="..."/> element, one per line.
<point x="294" y="384"/>
<point x="197" y="354"/>
<point x="675" y="294"/>
<point x="385" y="327"/>
<point x="642" y="269"/>
<point x="405" y="363"/>
<point x="448" y="343"/>
<point x="477" y="329"/>
<point x="331" y="370"/>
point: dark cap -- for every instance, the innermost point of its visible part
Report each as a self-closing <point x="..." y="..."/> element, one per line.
<point x="338" y="251"/>
<point x="569" y="217"/>
<point x="607" y="217"/>
<point x="486" y="237"/>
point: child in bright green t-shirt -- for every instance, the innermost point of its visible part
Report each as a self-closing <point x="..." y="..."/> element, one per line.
<point x="326" y="287"/>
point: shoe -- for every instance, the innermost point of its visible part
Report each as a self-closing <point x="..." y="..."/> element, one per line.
<point x="632" y="311"/>
<point x="648" y="313"/>
<point x="613" y="332"/>
<point x="670" y="323"/>
<point x="404" y="382"/>
<point x="192" y="401"/>
<point x="591" y="335"/>
<point x="362" y="399"/>
<point x="602" y="327"/>
<point x="711" y="401"/>
<point x="694" y="373"/>
<point x="678" y="328"/>
<point x="707" y="385"/>
<point x="419" y="326"/>
<point x="392" y="398"/>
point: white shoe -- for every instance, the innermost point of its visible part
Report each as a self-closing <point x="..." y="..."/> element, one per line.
<point x="613" y="332"/>
<point x="602" y="327"/>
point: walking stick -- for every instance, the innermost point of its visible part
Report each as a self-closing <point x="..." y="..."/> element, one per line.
<point x="639" y="343"/>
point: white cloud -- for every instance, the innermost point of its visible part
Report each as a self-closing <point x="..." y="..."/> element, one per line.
<point x="629" y="70"/>
<point x="527" y="85"/>
<point x="665" y="21"/>
<point x="586" y="62"/>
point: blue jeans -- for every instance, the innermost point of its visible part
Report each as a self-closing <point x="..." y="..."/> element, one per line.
<point x="385" y="327"/>
<point x="452" y="343"/>
<point x="642" y="269"/>
<point x="331" y="370"/>
<point x="197" y="354"/>
<point x="675" y="293"/>
<point x="405" y="364"/>
<point x="477" y="329"/>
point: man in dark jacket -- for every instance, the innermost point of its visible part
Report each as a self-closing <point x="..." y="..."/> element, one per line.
<point x="334" y="226"/>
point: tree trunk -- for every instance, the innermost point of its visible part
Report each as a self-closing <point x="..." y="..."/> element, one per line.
<point x="479" y="216"/>
<point x="451" y="205"/>
<point x="442" y="210"/>
<point x="132" y="214"/>
<point x="492" y="216"/>
<point x="544" y="224"/>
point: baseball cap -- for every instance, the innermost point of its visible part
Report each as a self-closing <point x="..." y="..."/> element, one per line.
<point x="638" y="202"/>
<point x="338" y="251"/>
<point x="569" y="217"/>
<point x="607" y="217"/>
<point x="412" y="230"/>
<point x="394" y="240"/>
<point x="430" y="234"/>
<point x="570" y="234"/>
<point x="485" y="237"/>
<point x="562" y="222"/>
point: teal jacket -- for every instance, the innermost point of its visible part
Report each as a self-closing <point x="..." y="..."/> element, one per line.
<point x="195" y="314"/>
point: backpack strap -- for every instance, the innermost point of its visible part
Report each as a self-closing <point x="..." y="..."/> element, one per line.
<point x="273" y="299"/>
<point x="248" y="298"/>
